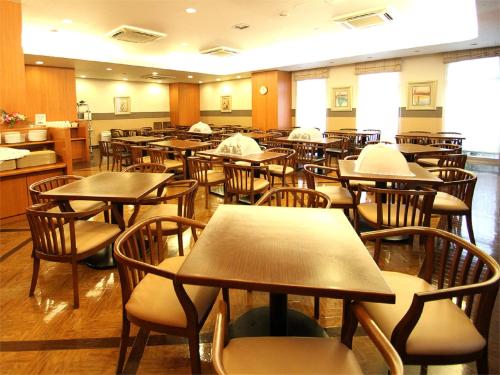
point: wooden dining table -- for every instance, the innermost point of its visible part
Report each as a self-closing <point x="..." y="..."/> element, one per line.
<point x="410" y="151"/>
<point x="326" y="142"/>
<point x="253" y="159"/>
<point x="118" y="188"/>
<point x="258" y="137"/>
<point x="136" y="139"/>
<point x="284" y="250"/>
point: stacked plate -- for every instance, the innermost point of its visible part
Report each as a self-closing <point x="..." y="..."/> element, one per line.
<point x="13" y="137"/>
<point x="37" y="135"/>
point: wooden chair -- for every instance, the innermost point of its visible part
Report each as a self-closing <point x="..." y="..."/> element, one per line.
<point x="294" y="355"/>
<point x="394" y="208"/>
<point x="36" y="188"/>
<point x="129" y="132"/>
<point x="66" y="237"/>
<point x="442" y="160"/>
<point x="283" y="167"/>
<point x="105" y="152"/>
<point x="374" y="137"/>
<point x="202" y="170"/>
<point x="454" y="196"/>
<point x="171" y="159"/>
<point x="294" y="197"/>
<point x="150" y="298"/>
<point x="153" y="197"/>
<point x="244" y="180"/>
<point x="116" y="133"/>
<point x="121" y="155"/>
<point x="177" y="201"/>
<point x="145" y="130"/>
<point x="340" y="152"/>
<point x="442" y="315"/>
<point x="309" y="154"/>
<point x="137" y="155"/>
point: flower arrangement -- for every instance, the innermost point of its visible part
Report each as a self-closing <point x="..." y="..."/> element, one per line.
<point x="11" y="118"/>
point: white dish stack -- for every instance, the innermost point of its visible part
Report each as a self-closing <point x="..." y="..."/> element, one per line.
<point x="13" y="137"/>
<point x="37" y="135"/>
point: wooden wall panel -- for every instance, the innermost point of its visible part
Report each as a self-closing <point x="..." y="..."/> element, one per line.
<point x="51" y="91"/>
<point x="184" y="103"/>
<point x="273" y="109"/>
<point x="12" y="76"/>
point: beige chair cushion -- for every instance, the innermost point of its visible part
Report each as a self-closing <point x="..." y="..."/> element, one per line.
<point x="369" y="212"/>
<point x="260" y="183"/>
<point x="161" y="210"/>
<point x="173" y="163"/>
<point x="338" y="194"/>
<point x="431" y="162"/>
<point x="154" y="299"/>
<point x="354" y="183"/>
<point x="89" y="234"/>
<point x="442" y="329"/>
<point x="215" y="176"/>
<point x="244" y="163"/>
<point x="277" y="169"/>
<point x="79" y="206"/>
<point x="448" y="202"/>
<point x="288" y="355"/>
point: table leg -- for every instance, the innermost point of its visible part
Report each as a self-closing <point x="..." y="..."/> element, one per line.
<point x="278" y="314"/>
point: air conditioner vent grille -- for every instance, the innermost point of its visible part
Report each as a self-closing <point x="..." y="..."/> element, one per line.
<point x="156" y="77"/>
<point x="134" y="34"/>
<point x="220" y="51"/>
<point x="365" y="18"/>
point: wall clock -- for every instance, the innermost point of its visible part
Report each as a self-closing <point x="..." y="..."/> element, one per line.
<point x="263" y="90"/>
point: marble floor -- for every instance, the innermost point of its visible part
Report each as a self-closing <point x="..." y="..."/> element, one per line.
<point x="45" y="335"/>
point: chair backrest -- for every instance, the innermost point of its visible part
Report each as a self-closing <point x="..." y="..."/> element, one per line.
<point x="146" y="168"/>
<point x="48" y="184"/>
<point x="158" y="155"/>
<point x="142" y="247"/>
<point x="453" y="148"/>
<point x="105" y="148"/>
<point x="137" y="153"/>
<point x="119" y="151"/>
<point x="312" y="174"/>
<point x="145" y="130"/>
<point x="457" y="182"/>
<point x="198" y="168"/>
<point x="469" y="273"/>
<point x="116" y="133"/>
<point x="400" y="207"/>
<point x="308" y="153"/>
<point x="157" y="125"/>
<point x="240" y="178"/>
<point x="129" y="132"/>
<point x="294" y="197"/>
<point x="183" y="193"/>
<point x="289" y="160"/>
<point x="452" y="160"/>
<point x="457" y="133"/>
<point x="351" y="157"/>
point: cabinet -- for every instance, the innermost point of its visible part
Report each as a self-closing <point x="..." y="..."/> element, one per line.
<point x="70" y="144"/>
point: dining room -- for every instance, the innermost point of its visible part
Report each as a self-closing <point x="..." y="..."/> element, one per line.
<point x="330" y="214"/>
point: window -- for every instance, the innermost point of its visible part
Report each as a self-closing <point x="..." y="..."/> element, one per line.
<point x="311" y="104"/>
<point x="471" y="107"/>
<point x="378" y="103"/>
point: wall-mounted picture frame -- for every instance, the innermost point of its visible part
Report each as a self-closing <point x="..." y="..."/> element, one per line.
<point x="421" y="95"/>
<point x="225" y="103"/>
<point x="342" y="98"/>
<point x="122" y="105"/>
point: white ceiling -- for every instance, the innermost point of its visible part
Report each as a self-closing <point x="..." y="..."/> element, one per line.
<point x="283" y="34"/>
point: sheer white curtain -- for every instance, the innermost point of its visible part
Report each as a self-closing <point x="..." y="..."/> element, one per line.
<point x="378" y="103"/>
<point x="472" y="103"/>
<point x="310" y="111"/>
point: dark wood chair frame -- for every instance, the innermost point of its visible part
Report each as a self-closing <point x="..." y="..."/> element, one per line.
<point x="105" y="152"/>
<point x="198" y="170"/>
<point x="240" y="181"/>
<point x="294" y="197"/>
<point x="290" y="160"/>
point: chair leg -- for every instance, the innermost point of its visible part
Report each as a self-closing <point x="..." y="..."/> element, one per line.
<point x="482" y="362"/>
<point x="449" y="222"/>
<point x="34" y="276"/>
<point x="207" y="191"/>
<point x="468" y="218"/>
<point x="74" y="271"/>
<point x="123" y="344"/>
<point x="181" y="242"/>
<point x="316" y="308"/>
<point x="225" y="297"/>
<point x="100" y="161"/>
<point x="194" y="353"/>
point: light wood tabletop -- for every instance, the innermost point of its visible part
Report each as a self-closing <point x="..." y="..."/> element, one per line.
<point x="256" y="136"/>
<point x="119" y="187"/>
<point x="420" y="174"/>
<point x="137" y="139"/>
<point x="285" y="250"/>
<point x="260" y="157"/>
<point x="416" y="149"/>
<point x="353" y="132"/>
<point x="321" y="142"/>
<point x="181" y="144"/>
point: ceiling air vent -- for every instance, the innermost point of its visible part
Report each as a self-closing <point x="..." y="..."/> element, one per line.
<point x="365" y="18"/>
<point x="220" y="51"/>
<point x="133" y="34"/>
<point x="157" y="77"/>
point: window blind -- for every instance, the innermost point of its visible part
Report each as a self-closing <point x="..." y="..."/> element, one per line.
<point x="379" y="66"/>
<point x="470" y="54"/>
<point x="311" y="74"/>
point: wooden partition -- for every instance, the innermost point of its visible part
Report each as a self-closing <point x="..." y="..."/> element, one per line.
<point x="184" y="103"/>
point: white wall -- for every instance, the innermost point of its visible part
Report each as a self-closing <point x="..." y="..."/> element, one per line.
<point x="144" y="97"/>
<point x="239" y="89"/>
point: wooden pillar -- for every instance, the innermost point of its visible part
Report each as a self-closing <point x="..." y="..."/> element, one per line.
<point x="12" y="75"/>
<point x="271" y="100"/>
<point x="184" y="103"/>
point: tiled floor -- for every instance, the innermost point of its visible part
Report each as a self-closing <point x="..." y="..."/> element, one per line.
<point x="45" y="335"/>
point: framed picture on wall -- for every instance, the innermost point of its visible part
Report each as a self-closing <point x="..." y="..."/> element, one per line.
<point x="225" y="103"/>
<point x="421" y="95"/>
<point x="122" y="105"/>
<point x="342" y="99"/>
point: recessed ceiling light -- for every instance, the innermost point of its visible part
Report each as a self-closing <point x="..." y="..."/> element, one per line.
<point x="416" y="51"/>
<point x="238" y="76"/>
<point x="473" y="44"/>
<point x="241" y="26"/>
<point x="283" y="14"/>
<point x="369" y="57"/>
<point x="190" y="10"/>
<point x="125" y="79"/>
<point x="54" y="30"/>
<point x="218" y="79"/>
<point x="158" y="81"/>
<point x="109" y="69"/>
<point x="200" y="81"/>
<point x="155" y="73"/>
<point x="83" y="76"/>
<point x="39" y="62"/>
<point x="67" y="21"/>
<point x="184" y="44"/>
<point x="190" y="76"/>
